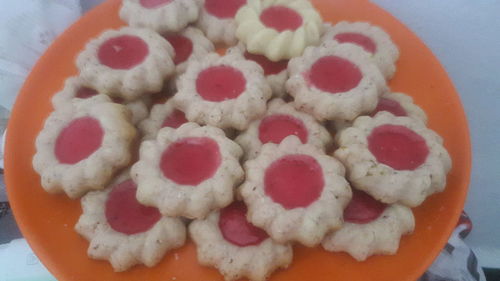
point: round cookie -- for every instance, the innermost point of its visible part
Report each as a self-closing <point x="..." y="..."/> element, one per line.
<point x="217" y="20"/>
<point x="162" y="115"/>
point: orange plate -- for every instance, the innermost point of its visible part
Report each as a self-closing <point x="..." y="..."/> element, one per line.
<point x="47" y="220"/>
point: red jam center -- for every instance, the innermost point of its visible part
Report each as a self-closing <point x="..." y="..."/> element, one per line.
<point x="123" y="52"/>
<point x="183" y="47"/>
<point x="358" y="39"/>
<point x="219" y="83"/>
<point x="363" y="208"/>
<point x="224" y="8"/>
<point x="294" y="181"/>
<point x="398" y="147"/>
<point x="78" y="140"/>
<point x="236" y="229"/>
<point x="190" y="161"/>
<point x="391" y="106"/>
<point x="275" y="128"/>
<point x="281" y="18"/>
<point x="174" y="120"/>
<point x="334" y="74"/>
<point x="85" y="93"/>
<point x="270" y="67"/>
<point x="125" y="214"/>
<point x="151" y="4"/>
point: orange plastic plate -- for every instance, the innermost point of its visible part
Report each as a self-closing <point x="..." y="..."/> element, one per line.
<point x="47" y="220"/>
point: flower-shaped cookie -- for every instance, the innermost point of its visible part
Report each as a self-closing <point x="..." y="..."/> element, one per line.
<point x="123" y="231"/>
<point x="276" y="72"/>
<point x="227" y="241"/>
<point x="295" y="192"/>
<point x="335" y="81"/>
<point x="217" y="20"/>
<point x="128" y="62"/>
<point x="225" y="92"/>
<point x="162" y="115"/>
<point x="188" y="171"/>
<point x="160" y="15"/>
<point x="278" y="29"/>
<point x="75" y="90"/>
<point x="394" y="159"/>
<point x="82" y="145"/>
<point x="370" y="227"/>
<point x="372" y="39"/>
<point x="282" y="120"/>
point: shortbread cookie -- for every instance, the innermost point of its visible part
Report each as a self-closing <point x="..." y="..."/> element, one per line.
<point x="370" y="228"/>
<point x="188" y="171"/>
<point x="282" y="120"/>
<point x="394" y="159"/>
<point x="217" y="20"/>
<point x="123" y="231"/>
<point x="278" y="29"/>
<point x="335" y="81"/>
<point x="295" y="192"/>
<point x="160" y="15"/>
<point x="228" y="242"/>
<point x="129" y="62"/>
<point x="275" y="72"/>
<point x="82" y="145"/>
<point x="372" y="39"/>
<point x="162" y="115"/>
<point x="225" y="92"/>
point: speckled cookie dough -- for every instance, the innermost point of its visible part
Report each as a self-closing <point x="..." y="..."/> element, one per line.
<point x="188" y="171"/>
<point x="217" y="20"/>
<point x="225" y="92"/>
<point x="82" y="145"/>
<point x="280" y="121"/>
<point x="128" y="63"/>
<point x="123" y="231"/>
<point x="228" y="242"/>
<point x="162" y="115"/>
<point x="335" y="81"/>
<point x="295" y="192"/>
<point x="394" y="159"/>
<point x="278" y="29"/>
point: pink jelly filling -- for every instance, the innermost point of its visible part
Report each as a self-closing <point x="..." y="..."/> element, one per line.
<point x="281" y="18"/>
<point x="236" y="229"/>
<point x="81" y="138"/>
<point x="125" y="214"/>
<point x="85" y="93"/>
<point x="275" y="128"/>
<point x="190" y="161"/>
<point x="389" y="105"/>
<point x="334" y="74"/>
<point x="224" y="8"/>
<point x="151" y="4"/>
<point x="398" y="147"/>
<point x="174" y="120"/>
<point x="219" y="83"/>
<point x="123" y="52"/>
<point x="363" y="208"/>
<point x="270" y="67"/>
<point x="294" y="181"/>
<point x="358" y="39"/>
<point x="183" y="47"/>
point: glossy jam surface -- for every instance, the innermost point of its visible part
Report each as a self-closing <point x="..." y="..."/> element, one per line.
<point x="123" y="52"/>
<point x="270" y="67"/>
<point x="281" y="18"/>
<point x="190" y="161"/>
<point x="219" y="83"/>
<point x="294" y="181"/>
<point x="389" y="105"/>
<point x="363" y="208"/>
<point x="224" y="9"/>
<point x="78" y="140"/>
<point x="151" y="4"/>
<point x="174" y="120"/>
<point x="85" y="93"/>
<point x="398" y="147"/>
<point x="125" y="214"/>
<point x="334" y="74"/>
<point x="275" y="128"/>
<point x="236" y="229"/>
<point x="359" y="39"/>
<point x="183" y="47"/>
